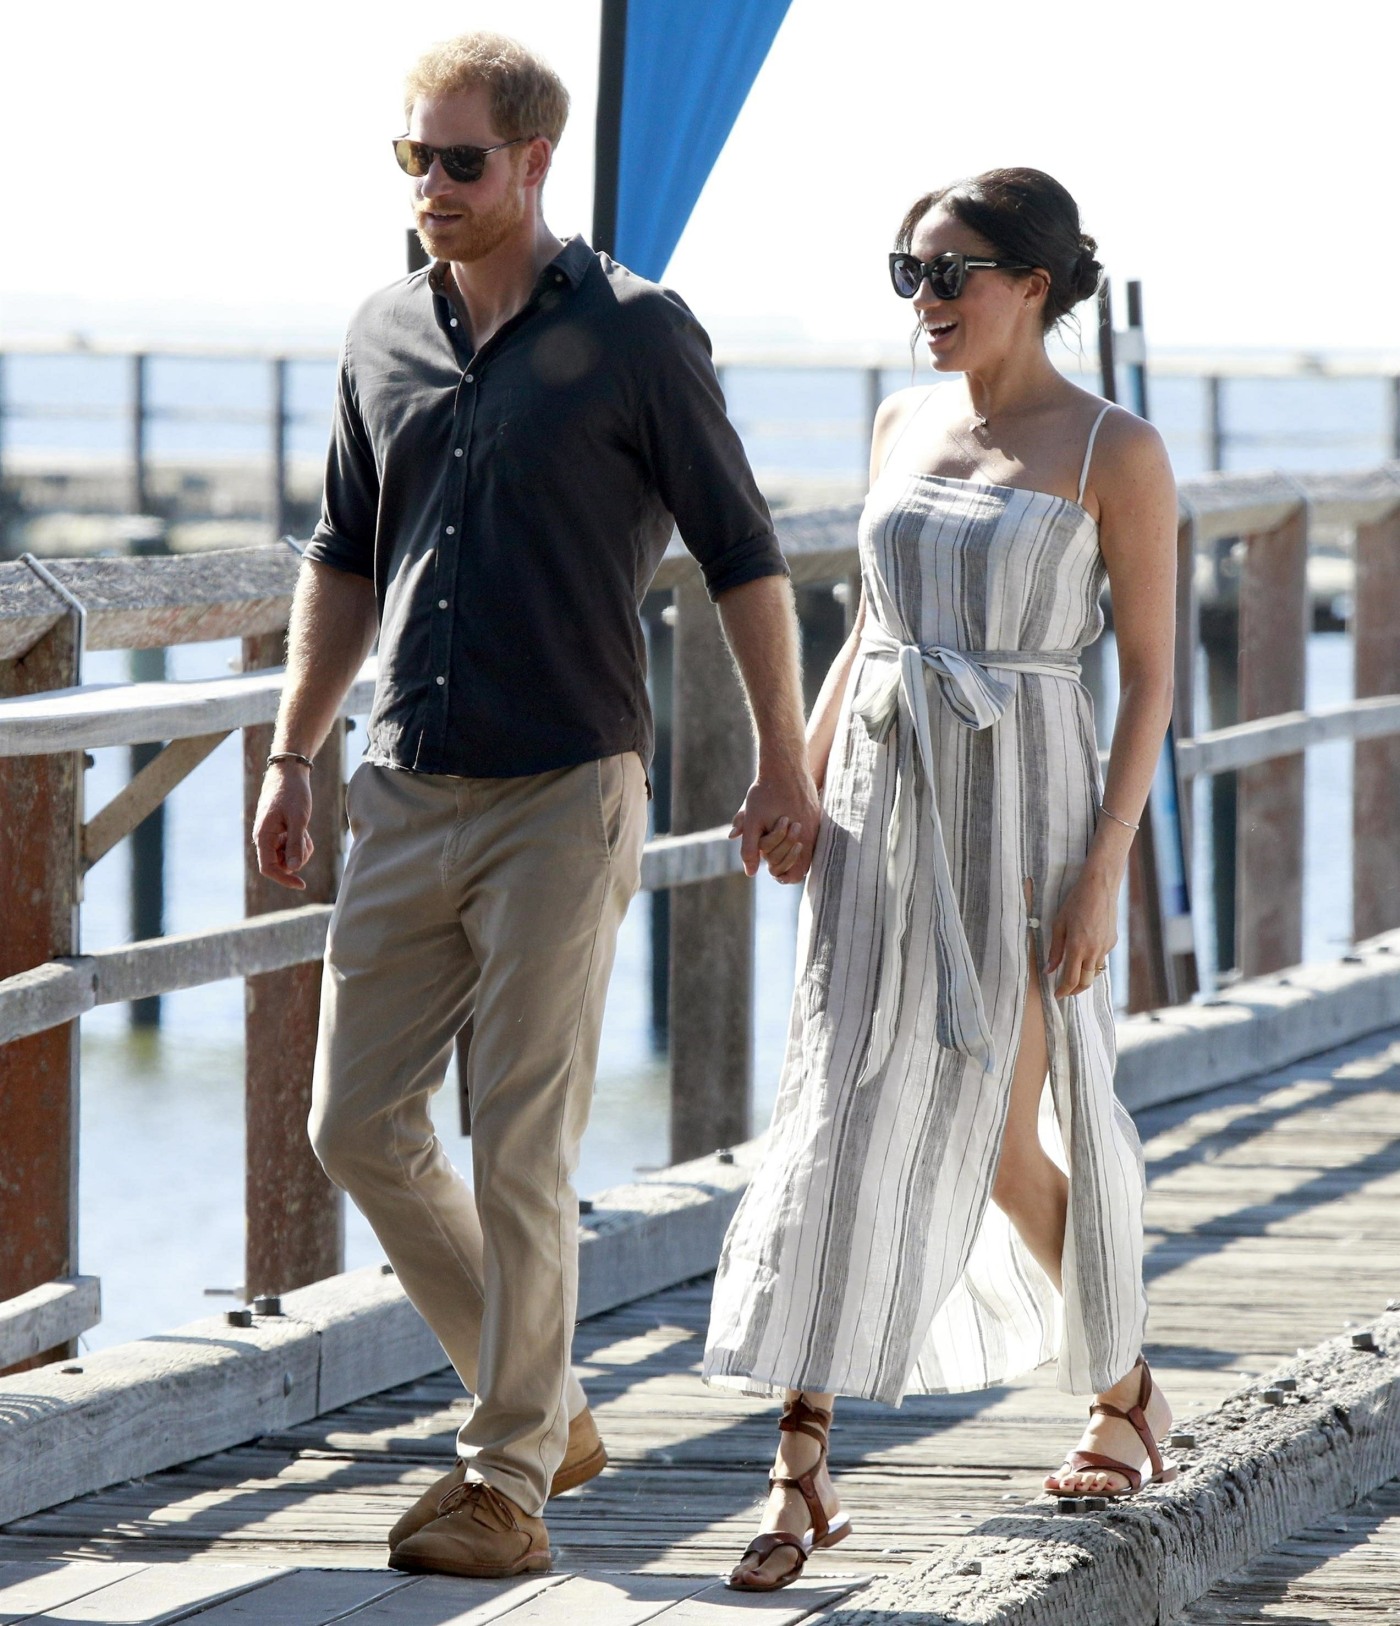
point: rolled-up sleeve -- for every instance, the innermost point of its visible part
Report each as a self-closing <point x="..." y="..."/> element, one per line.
<point x="344" y="536"/>
<point x="696" y="457"/>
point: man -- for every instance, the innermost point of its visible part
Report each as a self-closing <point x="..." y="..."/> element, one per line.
<point x="515" y="429"/>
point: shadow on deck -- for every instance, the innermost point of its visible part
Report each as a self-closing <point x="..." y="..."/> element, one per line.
<point x="1273" y="1218"/>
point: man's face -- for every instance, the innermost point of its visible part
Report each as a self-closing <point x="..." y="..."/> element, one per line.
<point x="465" y="220"/>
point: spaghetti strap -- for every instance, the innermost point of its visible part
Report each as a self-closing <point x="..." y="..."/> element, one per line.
<point x="904" y="427"/>
<point x="1089" y="452"/>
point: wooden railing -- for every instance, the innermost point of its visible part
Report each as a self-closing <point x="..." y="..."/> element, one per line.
<point x="48" y="719"/>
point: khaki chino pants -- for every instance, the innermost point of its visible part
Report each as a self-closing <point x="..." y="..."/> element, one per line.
<point x="498" y="900"/>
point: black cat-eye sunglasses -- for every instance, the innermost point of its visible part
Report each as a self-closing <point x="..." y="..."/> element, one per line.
<point x="947" y="274"/>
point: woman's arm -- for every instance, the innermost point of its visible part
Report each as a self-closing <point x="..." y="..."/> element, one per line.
<point x="1137" y="533"/>
<point x="781" y="850"/>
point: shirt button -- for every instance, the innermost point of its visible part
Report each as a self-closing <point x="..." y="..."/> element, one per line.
<point x="469" y="378"/>
<point x="441" y="681"/>
<point x="442" y="604"/>
<point x="452" y="530"/>
<point x="452" y="322"/>
<point x="458" y="452"/>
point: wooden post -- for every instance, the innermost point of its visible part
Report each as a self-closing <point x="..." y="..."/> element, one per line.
<point x="712" y="922"/>
<point x="295" y="1217"/>
<point x="39" y="892"/>
<point x="1108" y="369"/>
<point x="659" y="614"/>
<point x="280" y="521"/>
<point x="147" y="882"/>
<point x="874" y="394"/>
<point x="1376" y="777"/>
<point x="4" y="505"/>
<point x="1215" y="425"/>
<point x="1273" y="651"/>
<point x="139" y="496"/>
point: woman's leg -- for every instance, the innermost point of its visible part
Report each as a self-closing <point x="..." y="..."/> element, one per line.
<point x="797" y="1454"/>
<point x="1030" y="1187"/>
<point x="1033" y="1193"/>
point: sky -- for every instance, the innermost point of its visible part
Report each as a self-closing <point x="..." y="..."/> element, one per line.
<point x="179" y="170"/>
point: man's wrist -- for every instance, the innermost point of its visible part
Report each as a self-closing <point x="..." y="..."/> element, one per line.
<point x="788" y="759"/>
<point x="296" y="759"/>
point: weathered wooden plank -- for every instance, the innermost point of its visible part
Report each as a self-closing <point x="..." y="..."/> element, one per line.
<point x="151" y="603"/>
<point x="716" y="1605"/>
<point x="94" y="715"/>
<point x="48" y="1316"/>
<point x="1238" y="504"/>
<point x="42" y="998"/>
<point x="1274" y="619"/>
<point x="595" y="1600"/>
<point x="308" y="1598"/>
<point x="127" y="1411"/>
<point x="26" y="1590"/>
<point x="438" y="1600"/>
<point x="144" y="793"/>
<point x="711" y="1001"/>
<point x="703" y="855"/>
<point x="61" y="990"/>
<point x="295" y="1217"/>
<point x="42" y="802"/>
<point x="259" y="944"/>
<point x="156" y="1593"/>
<point x="1352" y="497"/>
<point x="1243" y="745"/>
<point x="1376" y="775"/>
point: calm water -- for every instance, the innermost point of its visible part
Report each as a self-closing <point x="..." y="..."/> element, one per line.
<point x="162" y="1127"/>
<point x="795" y="422"/>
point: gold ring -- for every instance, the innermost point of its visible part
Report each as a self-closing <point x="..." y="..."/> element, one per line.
<point x="1101" y="967"/>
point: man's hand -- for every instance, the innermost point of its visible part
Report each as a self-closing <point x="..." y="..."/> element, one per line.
<point x="281" y="832"/>
<point x="778" y="824"/>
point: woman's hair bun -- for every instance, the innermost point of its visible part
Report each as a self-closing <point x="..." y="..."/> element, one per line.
<point x="1087" y="271"/>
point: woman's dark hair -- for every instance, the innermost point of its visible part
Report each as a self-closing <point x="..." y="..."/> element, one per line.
<point x="1026" y="215"/>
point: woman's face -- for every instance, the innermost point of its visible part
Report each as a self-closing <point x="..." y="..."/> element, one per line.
<point x="996" y="311"/>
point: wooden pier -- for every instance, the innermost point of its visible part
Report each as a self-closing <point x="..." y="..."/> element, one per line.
<point x="1271" y="1200"/>
<point x="1273" y="1220"/>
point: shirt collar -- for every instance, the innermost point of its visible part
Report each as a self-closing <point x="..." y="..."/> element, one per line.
<point x="571" y="262"/>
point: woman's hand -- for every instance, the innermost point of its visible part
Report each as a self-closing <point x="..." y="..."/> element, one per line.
<point x="781" y="848"/>
<point x="1085" y="929"/>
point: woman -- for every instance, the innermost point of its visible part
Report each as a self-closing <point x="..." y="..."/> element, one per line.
<point x="927" y="1217"/>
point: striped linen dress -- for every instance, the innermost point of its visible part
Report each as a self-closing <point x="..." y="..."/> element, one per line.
<point x="866" y="1257"/>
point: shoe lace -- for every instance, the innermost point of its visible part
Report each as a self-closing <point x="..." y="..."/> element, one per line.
<point x="477" y="1490"/>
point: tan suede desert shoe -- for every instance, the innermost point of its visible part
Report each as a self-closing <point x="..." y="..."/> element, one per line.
<point x="479" y="1533"/>
<point x="584" y="1459"/>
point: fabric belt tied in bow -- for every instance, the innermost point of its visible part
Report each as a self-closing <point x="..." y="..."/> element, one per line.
<point x="977" y="700"/>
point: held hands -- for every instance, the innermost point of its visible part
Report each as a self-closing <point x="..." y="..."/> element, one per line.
<point x="1084" y="930"/>
<point x="778" y="825"/>
<point x="281" y="833"/>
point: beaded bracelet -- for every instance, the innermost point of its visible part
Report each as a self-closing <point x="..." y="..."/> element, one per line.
<point x="1116" y="819"/>
<point x="289" y="756"/>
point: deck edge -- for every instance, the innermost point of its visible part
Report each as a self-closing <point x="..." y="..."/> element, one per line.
<point x="1258" y="1474"/>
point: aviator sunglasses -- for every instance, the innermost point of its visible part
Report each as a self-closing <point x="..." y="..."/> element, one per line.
<point x="947" y="275"/>
<point x="461" y="163"/>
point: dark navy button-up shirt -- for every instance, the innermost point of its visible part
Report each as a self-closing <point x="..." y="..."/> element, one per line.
<point x="511" y="506"/>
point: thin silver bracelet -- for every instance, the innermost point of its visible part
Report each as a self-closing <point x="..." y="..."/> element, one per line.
<point x="1117" y="820"/>
<point x="290" y="756"/>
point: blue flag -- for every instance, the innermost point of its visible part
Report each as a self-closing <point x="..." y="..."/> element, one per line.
<point x="688" y="66"/>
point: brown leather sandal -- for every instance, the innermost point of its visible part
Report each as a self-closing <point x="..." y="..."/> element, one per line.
<point x="1162" y="1472"/>
<point x="815" y="1422"/>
